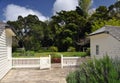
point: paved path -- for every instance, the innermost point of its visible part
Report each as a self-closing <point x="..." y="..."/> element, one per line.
<point x="55" y="75"/>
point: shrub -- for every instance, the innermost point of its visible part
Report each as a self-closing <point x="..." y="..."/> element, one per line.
<point x="80" y="54"/>
<point x="42" y="50"/>
<point x="71" y="49"/>
<point x="53" y="49"/>
<point x="116" y="63"/>
<point x="29" y="53"/>
<point x="15" y="54"/>
<point x="20" y="50"/>
<point x="97" y="71"/>
<point x="54" y="55"/>
<point x="56" y="58"/>
<point x="72" y="77"/>
<point x="88" y="51"/>
<point x="24" y="53"/>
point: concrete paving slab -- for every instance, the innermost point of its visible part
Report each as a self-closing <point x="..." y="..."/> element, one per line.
<point x="55" y="75"/>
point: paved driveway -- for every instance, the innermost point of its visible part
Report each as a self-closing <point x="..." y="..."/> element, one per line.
<point x="55" y="75"/>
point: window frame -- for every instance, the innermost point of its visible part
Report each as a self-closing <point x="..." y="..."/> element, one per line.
<point x="97" y="49"/>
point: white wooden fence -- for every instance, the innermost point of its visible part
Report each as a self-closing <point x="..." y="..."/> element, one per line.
<point x="42" y="62"/>
<point x="45" y="62"/>
<point x="25" y="62"/>
<point x="71" y="61"/>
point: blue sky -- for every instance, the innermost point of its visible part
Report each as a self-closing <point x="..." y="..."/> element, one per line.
<point x="44" y="9"/>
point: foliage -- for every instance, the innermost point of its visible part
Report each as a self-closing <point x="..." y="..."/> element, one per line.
<point x="100" y="23"/>
<point x="79" y="54"/>
<point x="24" y="54"/>
<point x="71" y="49"/>
<point x="97" y="71"/>
<point x="53" y="54"/>
<point x="22" y="50"/>
<point x="105" y="16"/>
<point x="114" y="10"/>
<point x="30" y="31"/>
<point x="43" y="50"/>
<point x="15" y="44"/>
<point x="65" y="29"/>
<point x="53" y="49"/>
<point x="116" y="63"/>
<point x="55" y="58"/>
<point x="29" y="53"/>
<point x="68" y="32"/>
<point x="85" y="5"/>
<point x="100" y="13"/>
<point x="71" y="78"/>
<point x="88" y="51"/>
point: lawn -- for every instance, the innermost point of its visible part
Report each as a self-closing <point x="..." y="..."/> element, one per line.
<point x="53" y="54"/>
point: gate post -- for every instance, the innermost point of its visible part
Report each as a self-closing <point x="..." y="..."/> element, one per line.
<point x="61" y="61"/>
<point x="39" y="63"/>
<point x="50" y="61"/>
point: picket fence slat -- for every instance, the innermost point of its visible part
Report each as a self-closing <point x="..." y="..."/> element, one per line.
<point x="70" y="61"/>
<point x="31" y="62"/>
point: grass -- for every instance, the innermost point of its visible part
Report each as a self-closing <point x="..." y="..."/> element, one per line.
<point x="53" y="54"/>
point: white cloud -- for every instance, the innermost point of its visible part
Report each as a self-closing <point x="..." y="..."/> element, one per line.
<point x="92" y="1"/>
<point x="13" y="11"/>
<point x="91" y="11"/>
<point x="64" y="5"/>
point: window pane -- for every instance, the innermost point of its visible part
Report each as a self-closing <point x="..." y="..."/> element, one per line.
<point x="97" y="50"/>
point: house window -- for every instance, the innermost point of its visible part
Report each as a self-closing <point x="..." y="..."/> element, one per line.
<point x="97" y="49"/>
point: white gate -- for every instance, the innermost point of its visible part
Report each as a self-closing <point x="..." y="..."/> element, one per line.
<point x="45" y="62"/>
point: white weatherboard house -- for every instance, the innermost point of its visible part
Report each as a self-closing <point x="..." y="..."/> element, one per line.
<point x="6" y="34"/>
<point x="105" y="41"/>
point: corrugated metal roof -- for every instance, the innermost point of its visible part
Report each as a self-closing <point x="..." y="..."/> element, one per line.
<point x="112" y="30"/>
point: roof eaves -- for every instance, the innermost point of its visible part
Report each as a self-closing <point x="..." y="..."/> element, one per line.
<point x="99" y="33"/>
<point x="9" y="27"/>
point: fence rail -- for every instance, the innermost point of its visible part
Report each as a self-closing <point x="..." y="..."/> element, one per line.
<point x="71" y="61"/>
<point x="31" y="62"/>
<point x="45" y="62"/>
<point x="25" y="62"/>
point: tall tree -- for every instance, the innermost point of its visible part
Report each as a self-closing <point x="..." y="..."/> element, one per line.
<point x="100" y="23"/>
<point x="31" y="31"/>
<point x="100" y="13"/>
<point x="114" y="10"/>
<point x="85" y="5"/>
<point x="69" y="28"/>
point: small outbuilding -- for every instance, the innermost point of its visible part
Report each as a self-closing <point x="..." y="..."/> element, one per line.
<point x="105" y="41"/>
<point x="6" y="34"/>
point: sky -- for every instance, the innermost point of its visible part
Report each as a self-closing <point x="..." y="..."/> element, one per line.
<point x="44" y="9"/>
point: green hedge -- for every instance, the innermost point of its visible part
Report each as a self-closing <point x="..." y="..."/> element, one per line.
<point x="53" y="49"/>
<point x="71" y="49"/>
<point x="24" y="54"/>
<point x="53" y="54"/>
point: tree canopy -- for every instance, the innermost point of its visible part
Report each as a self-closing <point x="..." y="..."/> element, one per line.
<point x="65" y="29"/>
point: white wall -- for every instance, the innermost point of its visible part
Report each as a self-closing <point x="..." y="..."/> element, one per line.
<point x="107" y="45"/>
<point x="9" y="49"/>
<point x="5" y="54"/>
